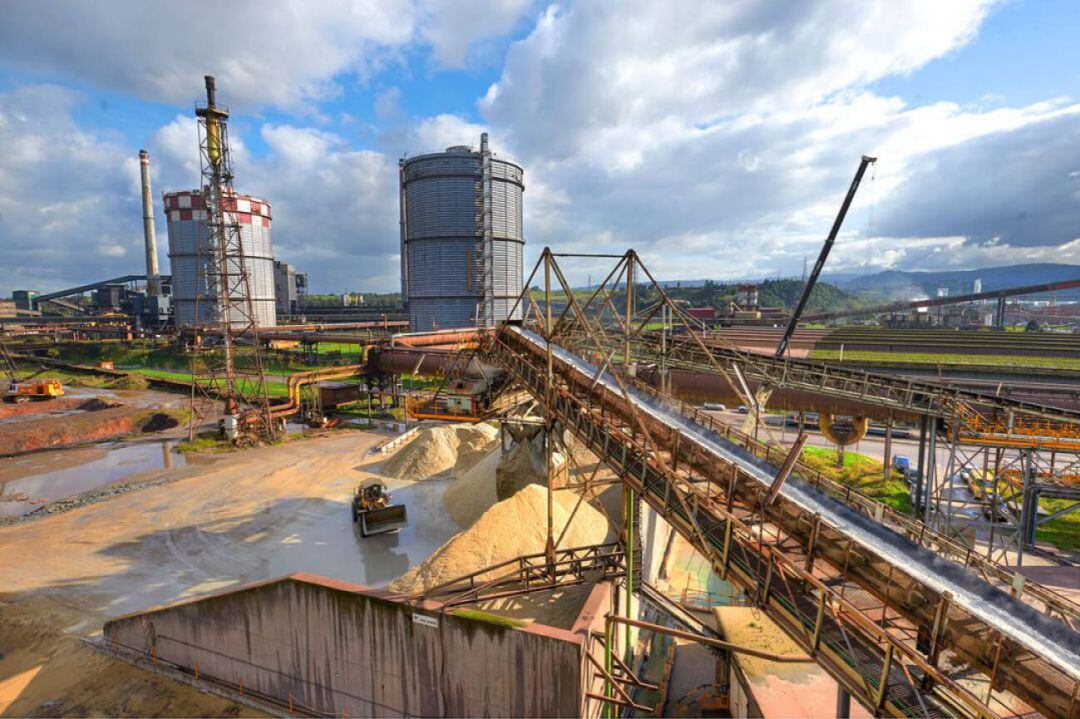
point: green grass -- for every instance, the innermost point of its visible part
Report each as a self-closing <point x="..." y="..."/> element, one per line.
<point x="862" y="473"/>
<point x="966" y="360"/>
<point x="274" y="388"/>
<point x="209" y="442"/>
<point x="488" y="618"/>
<point x="1063" y="532"/>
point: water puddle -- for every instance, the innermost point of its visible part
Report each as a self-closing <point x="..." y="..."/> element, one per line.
<point x="332" y="545"/>
<point x="34" y="480"/>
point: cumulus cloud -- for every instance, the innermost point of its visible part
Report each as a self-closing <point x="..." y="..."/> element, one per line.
<point x="278" y="53"/>
<point x="589" y="69"/>
<point x="452" y="26"/>
<point x="69" y="198"/>
<point x="716" y="139"/>
<point x="734" y="137"/>
<point x="1011" y="188"/>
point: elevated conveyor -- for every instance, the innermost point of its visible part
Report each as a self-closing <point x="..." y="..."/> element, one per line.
<point x="875" y="609"/>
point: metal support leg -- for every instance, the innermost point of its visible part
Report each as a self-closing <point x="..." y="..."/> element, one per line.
<point x="930" y="479"/>
<point x="887" y="469"/>
<point x="843" y="703"/>
<point x="921" y="468"/>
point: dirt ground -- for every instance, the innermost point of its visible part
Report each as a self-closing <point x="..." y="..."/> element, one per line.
<point x="224" y="521"/>
<point x="86" y="415"/>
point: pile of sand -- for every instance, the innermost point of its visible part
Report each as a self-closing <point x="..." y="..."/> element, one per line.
<point x="511" y="528"/>
<point x="473" y="493"/>
<point x="436" y="450"/>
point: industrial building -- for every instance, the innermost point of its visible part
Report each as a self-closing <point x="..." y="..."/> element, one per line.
<point x="461" y="237"/>
<point x="194" y="295"/>
<point x="289" y="288"/>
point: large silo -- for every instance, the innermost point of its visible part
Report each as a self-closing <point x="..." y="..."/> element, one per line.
<point x="461" y="237"/>
<point x="189" y="246"/>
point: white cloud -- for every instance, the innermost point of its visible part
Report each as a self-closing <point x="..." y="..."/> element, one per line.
<point x="67" y="209"/>
<point x="716" y="139"/>
<point x="452" y="26"/>
<point x="285" y="53"/>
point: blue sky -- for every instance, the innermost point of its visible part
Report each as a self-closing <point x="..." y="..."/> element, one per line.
<point x="718" y="148"/>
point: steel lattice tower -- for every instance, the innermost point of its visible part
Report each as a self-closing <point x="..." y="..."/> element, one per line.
<point x="233" y="371"/>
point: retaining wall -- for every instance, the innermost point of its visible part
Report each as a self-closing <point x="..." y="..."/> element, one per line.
<point x="328" y="647"/>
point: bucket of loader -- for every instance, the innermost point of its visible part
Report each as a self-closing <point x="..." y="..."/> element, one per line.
<point x="383" y="519"/>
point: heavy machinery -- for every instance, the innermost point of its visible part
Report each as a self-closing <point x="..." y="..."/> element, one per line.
<point x="371" y="509"/>
<point x="27" y="388"/>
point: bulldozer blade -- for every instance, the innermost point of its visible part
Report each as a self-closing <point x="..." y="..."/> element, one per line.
<point x="387" y="519"/>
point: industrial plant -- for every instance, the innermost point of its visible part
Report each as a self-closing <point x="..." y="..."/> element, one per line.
<point x="511" y="493"/>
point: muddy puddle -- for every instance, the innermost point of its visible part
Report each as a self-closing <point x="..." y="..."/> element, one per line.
<point x="33" y="480"/>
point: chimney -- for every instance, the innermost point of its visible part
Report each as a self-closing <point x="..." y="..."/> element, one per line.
<point x="153" y="282"/>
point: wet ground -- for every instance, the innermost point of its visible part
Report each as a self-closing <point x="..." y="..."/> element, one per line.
<point x="214" y="523"/>
<point x="33" y="480"/>
<point x="330" y="544"/>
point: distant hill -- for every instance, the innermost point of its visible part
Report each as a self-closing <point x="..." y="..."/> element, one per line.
<point x="899" y="284"/>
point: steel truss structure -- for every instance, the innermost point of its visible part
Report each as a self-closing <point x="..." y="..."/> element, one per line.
<point x="873" y="607"/>
<point x="991" y="497"/>
<point x="232" y="371"/>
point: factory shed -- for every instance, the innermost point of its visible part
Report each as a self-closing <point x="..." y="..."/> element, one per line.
<point x="323" y="647"/>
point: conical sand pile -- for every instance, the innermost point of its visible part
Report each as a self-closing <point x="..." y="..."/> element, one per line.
<point x="440" y="449"/>
<point x="511" y="528"/>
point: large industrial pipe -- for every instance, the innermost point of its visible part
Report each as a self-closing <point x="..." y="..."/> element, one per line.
<point x="153" y="281"/>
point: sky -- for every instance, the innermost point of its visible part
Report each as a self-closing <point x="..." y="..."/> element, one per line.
<point x="715" y="138"/>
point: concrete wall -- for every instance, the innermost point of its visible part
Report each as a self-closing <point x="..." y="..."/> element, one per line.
<point x="341" y="649"/>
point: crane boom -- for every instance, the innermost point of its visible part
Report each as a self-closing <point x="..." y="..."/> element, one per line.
<point x="782" y="346"/>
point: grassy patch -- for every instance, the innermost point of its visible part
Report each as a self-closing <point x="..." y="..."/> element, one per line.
<point x="1063" y="532"/>
<point x="207" y="442"/>
<point x="488" y="618"/>
<point x="275" y="389"/>
<point x="969" y="360"/>
<point x="862" y="473"/>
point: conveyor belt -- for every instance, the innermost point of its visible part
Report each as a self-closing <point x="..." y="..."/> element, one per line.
<point x="1048" y="640"/>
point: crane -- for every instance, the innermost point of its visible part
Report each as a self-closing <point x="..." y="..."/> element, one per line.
<point x="782" y="346"/>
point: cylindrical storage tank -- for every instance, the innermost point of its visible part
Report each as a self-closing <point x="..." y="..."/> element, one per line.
<point x="194" y="296"/>
<point x="443" y="202"/>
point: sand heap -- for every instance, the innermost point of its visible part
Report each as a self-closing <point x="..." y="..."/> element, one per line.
<point x="440" y="449"/>
<point x="473" y="493"/>
<point x="509" y="529"/>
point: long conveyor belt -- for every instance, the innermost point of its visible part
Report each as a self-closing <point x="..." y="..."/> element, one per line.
<point x="1033" y="656"/>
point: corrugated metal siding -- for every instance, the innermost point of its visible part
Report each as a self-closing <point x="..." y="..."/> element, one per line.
<point x="188" y="238"/>
<point x="442" y="194"/>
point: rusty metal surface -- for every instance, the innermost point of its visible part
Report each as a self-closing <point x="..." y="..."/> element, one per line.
<point x="1043" y="680"/>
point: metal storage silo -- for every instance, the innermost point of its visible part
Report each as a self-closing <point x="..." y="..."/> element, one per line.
<point x="189" y="244"/>
<point x="461" y="237"/>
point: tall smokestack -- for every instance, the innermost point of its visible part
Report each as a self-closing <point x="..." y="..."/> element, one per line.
<point x="153" y="282"/>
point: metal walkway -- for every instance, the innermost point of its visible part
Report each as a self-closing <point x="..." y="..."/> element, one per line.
<point x="875" y="609"/>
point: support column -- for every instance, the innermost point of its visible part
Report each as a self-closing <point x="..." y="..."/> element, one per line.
<point x="1029" y="509"/>
<point x="843" y="703"/>
<point x="887" y="470"/>
<point x="920" y="467"/>
<point x="930" y="480"/>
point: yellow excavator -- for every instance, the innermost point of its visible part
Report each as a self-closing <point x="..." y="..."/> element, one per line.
<point x="371" y="509"/>
<point x="28" y="388"/>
